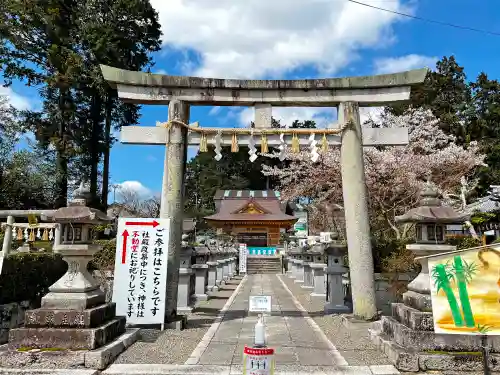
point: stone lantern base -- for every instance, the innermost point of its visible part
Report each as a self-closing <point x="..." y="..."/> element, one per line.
<point x="408" y="339"/>
<point x="74" y="314"/>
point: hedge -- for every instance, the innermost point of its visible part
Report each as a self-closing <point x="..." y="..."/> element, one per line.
<point x="28" y="276"/>
<point x="104" y="259"/>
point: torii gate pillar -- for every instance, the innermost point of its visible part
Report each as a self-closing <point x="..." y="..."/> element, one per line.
<point x="356" y="213"/>
<point x="172" y="198"/>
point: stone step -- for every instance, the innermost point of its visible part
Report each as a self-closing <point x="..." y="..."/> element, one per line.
<point x="35" y="371"/>
<point x="412" y="318"/>
<point x="67" y="338"/>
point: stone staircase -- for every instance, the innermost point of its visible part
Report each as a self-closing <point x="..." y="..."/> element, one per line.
<point x="264" y="264"/>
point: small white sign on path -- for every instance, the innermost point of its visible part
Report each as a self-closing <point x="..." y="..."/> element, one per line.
<point x="140" y="284"/>
<point x="260" y="304"/>
<point x="243" y="258"/>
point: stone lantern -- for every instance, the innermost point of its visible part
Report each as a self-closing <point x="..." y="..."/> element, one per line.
<point x="74" y="314"/>
<point x="430" y="219"/>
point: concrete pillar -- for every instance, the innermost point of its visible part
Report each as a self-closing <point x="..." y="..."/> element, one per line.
<point x="201" y="271"/>
<point x="318" y="270"/>
<point x="220" y="277"/>
<point x="184" y="299"/>
<point x="308" y="276"/>
<point x="172" y="198"/>
<point x="225" y="269"/>
<point x="7" y="239"/>
<point x="356" y="213"/>
<point x="212" y="277"/>
<point x="299" y="276"/>
<point x="293" y="262"/>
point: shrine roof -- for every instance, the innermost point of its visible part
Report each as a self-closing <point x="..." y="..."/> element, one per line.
<point x="246" y="194"/>
<point x="249" y="205"/>
<point x="116" y="76"/>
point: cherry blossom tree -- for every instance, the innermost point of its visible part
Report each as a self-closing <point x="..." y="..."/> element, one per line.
<point x="394" y="175"/>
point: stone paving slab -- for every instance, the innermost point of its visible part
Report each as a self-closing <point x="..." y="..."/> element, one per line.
<point x="353" y="342"/>
<point x="173" y="346"/>
<point x="297" y="343"/>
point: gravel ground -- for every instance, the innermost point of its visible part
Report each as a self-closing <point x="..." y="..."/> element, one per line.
<point x="353" y="343"/>
<point x="174" y="347"/>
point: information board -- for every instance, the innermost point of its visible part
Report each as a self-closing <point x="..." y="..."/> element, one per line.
<point x="140" y="276"/>
<point x="243" y="258"/>
<point x="260" y="304"/>
<point x="258" y="361"/>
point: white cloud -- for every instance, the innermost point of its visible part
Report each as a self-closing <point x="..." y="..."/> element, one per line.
<point x="133" y="186"/>
<point x="160" y="71"/>
<point x="403" y="63"/>
<point x="253" y="38"/>
<point x="214" y="110"/>
<point x="287" y="115"/>
<point x="16" y="100"/>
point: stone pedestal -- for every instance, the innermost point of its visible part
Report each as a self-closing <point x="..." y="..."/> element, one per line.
<point x="73" y="315"/>
<point x="299" y="275"/>
<point x="184" y="298"/>
<point x="318" y="271"/>
<point x="308" y="276"/>
<point x="225" y="269"/>
<point x="212" y="277"/>
<point x="220" y="276"/>
<point x="201" y="271"/>
<point x="418" y="295"/>
<point x="293" y="268"/>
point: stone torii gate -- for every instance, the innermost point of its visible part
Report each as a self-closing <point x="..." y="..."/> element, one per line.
<point x="348" y="94"/>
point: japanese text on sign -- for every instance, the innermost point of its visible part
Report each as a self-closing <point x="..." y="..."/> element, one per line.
<point x="260" y="304"/>
<point x="141" y="270"/>
<point x="243" y="258"/>
<point x="258" y="361"/>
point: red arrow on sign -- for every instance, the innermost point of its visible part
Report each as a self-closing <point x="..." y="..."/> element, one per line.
<point x="124" y="248"/>
<point x="153" y="223"/>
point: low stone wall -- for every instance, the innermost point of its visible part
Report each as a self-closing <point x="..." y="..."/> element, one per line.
<point x="388" y="289"/>
<point x="12" y="316"/>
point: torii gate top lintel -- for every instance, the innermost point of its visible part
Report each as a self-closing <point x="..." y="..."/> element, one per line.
<point x="148" y="88"/>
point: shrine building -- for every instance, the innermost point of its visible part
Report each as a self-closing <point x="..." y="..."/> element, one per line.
<point x="255" y="217"/>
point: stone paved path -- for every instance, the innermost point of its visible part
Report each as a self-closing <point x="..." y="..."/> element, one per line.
<point x="297" y="339"/>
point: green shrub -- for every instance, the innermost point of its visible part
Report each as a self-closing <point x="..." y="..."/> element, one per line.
<point x="463" y="242"/>
<point x="104" y="259"/>
<point x="28" y="276"/>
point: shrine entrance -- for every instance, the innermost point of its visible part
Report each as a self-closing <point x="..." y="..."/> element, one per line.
<point x="347" y="94"/>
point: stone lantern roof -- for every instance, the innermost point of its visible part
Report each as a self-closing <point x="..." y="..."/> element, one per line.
<point x="77" y="210"/>
<point x="431" y="210"/>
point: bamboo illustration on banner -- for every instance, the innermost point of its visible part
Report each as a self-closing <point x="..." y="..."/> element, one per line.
<point x="465" y="292"/>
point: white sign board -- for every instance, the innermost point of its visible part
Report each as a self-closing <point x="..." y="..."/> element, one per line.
<point x="140" y="276"/>
<point x="243" y="258"/>
<point x="260" y="304"/>
<point x="258" y="361"/>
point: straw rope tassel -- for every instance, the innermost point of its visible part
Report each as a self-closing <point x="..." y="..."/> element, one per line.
<point x="234" y="143"/>
<point x="19" y="234"/>
<point x="324" y="143"/>
<point x="203" y="143"/>
<point x="45" y="235"/>
<point x="31" y="237"/>
<point x="295" y="144"/>
<point x="264" y="148"/>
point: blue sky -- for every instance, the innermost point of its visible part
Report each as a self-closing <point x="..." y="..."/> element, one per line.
<point x="295" y="39"/>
